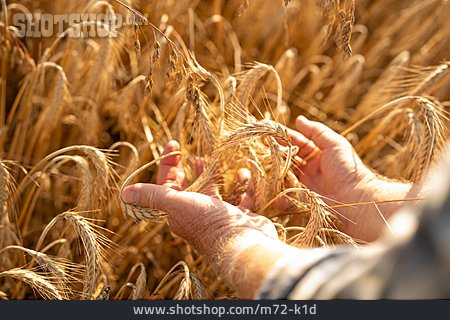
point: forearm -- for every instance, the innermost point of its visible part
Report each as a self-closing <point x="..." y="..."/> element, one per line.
<point x="244" y="262"/>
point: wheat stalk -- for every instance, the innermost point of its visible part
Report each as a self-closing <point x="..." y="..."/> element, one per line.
<point x="38" y="282"/>
<point x="93" y="243"/>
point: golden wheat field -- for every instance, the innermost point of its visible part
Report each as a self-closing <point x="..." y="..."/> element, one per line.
<point x="82" y="117"/>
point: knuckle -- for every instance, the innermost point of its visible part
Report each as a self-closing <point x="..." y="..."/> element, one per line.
<point x="150" y="199"/>
<point x="342" y="140"/>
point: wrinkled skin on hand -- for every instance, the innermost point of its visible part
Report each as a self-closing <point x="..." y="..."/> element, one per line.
<point x="203" y="221"/>
<point x="330" y="167"/>
<point x="334" y="171"/>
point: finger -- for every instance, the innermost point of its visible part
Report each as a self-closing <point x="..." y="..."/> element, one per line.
<point x="168" y="167"/>
<point x="166" y="199"/>
<point x="322" y="136"/>
<point x="282" y="204"/>
<point x="200" y="164"/>
<point x="171" y="172"/>
<point x="148" y="195"/>
<point x="306" y="146"/>
<point x="246" y="203"/>
<point x="179" y="205"/>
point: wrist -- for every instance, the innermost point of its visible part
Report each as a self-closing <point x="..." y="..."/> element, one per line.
<point x="244" y="261"/>
<point x="379" y="199"/>
<point x="382" y="189"/>
<point x="374" y="187"/>
<point x="363" y="187"/>
<point x="232" y="244"/>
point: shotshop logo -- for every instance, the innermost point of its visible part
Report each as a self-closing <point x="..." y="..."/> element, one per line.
<point x="74" y="25"/>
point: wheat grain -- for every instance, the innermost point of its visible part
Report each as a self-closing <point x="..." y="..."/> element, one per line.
<point x="180" y="73"/>
<point x="39" y="283"/>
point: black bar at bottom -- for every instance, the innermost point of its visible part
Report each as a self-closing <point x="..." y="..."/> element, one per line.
<point x="81" y="310"/>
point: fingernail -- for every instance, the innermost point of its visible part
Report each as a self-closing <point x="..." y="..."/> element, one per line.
<point x="130" y="196"/>
<point x="244" y="175"/>
<point x="173" y="145"/>
<point x="302" y="118"/>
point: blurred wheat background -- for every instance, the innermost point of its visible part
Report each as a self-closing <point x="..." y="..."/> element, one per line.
<point x="80" y="116"/>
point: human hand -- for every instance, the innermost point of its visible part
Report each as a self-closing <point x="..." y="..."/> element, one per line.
<point x="207" y="223"/>
<point x="332" y="168"/>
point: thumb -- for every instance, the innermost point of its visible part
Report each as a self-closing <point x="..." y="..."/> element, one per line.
<point x="166" y="199"/>
<point x="197" y="218"/>
<point x="246" y="203"/>
<point x="150" y="196"/>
